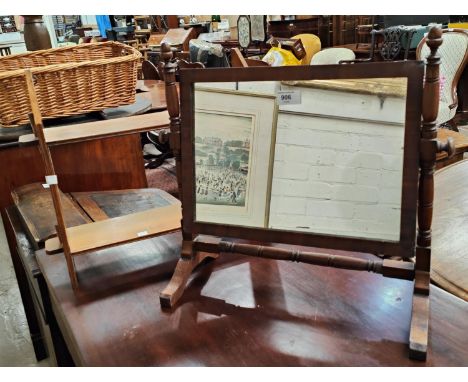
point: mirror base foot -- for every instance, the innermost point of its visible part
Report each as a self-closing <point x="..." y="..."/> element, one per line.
<point x="186" y="264"/>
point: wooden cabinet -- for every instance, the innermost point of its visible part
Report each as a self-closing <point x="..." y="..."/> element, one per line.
<point x="345" y="29"/>
<point x="318" y="25"/>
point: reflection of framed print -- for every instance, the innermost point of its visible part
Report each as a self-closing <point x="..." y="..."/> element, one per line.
<point x="234" y="140"/>
<point x="257" y="27"/>
<point x="243" y="30"/>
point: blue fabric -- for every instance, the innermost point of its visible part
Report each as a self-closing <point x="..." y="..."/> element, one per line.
<point x="103" y="22"/>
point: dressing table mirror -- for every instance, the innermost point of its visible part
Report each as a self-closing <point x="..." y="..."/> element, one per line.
<point x="328" y="156"/>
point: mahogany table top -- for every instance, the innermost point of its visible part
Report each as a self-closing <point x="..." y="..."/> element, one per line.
<point x="242" y="311"/>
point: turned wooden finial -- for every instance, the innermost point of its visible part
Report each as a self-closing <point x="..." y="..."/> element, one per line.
<point x="166" y="52"/>
<point x="434" y="39"/>
<point x="431" y="88"/>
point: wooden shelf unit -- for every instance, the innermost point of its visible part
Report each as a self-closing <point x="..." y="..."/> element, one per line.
<point x="112" y="232"/>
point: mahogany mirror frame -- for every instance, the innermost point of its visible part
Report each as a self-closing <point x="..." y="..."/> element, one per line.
<point x="412" y="70"/>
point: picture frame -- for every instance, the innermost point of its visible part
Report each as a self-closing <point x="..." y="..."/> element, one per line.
<point x="233" y="130"/>
<point x="244" y="31"/>
<point x="258" y="27"/>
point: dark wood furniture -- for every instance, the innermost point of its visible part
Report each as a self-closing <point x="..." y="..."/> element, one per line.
<point x="460" y="147"/>
<point x="46" y="336"/>
<point x="108" y="161"/>
<point x="172" y="21"/>
<point x="286" y="314"/>
<point x="155" y="91"/>
<point x="390" y="47"/>
<point x="353" y="32"/>
<point x="347" y="30"/>
<point x="420" y="146"/>
<point x="317" y="25"/>
<point x="463" y="94"/>
<point x="241" y="311"/>
<point x="179" y="38"/>
<point x="461" y="117"/>
<point x="150" y="71"/>
<point x="387" y="44"/>
<point x="105" y="164"/>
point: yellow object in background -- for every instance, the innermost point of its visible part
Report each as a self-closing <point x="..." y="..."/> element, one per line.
<point x="311" y="45"/>
<point x="277" y="56"/>
<point x="458" y="25"/>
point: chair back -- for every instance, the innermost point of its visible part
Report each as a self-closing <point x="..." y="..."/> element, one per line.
<point x="389" y="43"/>
<point x="150" y="71"/>
<point x="332" y="56"/>
<point x="392" y="42"/>
<point x="454" y="57"/>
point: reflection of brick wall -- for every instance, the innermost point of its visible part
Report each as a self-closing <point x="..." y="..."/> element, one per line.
<point x="337" y="176"/>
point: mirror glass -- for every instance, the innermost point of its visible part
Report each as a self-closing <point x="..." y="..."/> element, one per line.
<point x="321" y="156"/>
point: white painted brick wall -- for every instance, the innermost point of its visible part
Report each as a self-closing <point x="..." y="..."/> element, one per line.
<point x="338" y="176"/>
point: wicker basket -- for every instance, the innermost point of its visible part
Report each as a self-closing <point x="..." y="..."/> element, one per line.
<point x="68" y="80"/>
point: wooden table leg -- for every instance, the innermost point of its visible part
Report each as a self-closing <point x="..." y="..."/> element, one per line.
<point x="28" y="304"/>
<point x="62" y="354"/>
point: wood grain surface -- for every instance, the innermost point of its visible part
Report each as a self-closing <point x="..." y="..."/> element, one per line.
<point x="36" y="209"/>
<point x="101" y="129"/>
<point x="242" y="311"/>
<point x="461" y="144"/>
<point x="449" y="266"/>
<point x="155" y="91"/>
<point x="101" y="205"/>
<point x="122" y="229"/>
<point x="391" y="87"/>
<point x="104" y="164"/>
